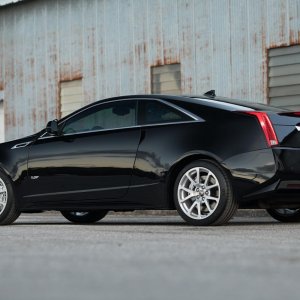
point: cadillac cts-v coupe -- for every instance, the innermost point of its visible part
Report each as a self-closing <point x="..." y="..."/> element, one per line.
<point x="204" y="156"/>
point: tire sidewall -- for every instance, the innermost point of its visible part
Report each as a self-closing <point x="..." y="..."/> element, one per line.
<point x="293" y="218"/>
<point x="90" y="217"/>
<point x="224" y="192"/>
<point x="11" y="202"/>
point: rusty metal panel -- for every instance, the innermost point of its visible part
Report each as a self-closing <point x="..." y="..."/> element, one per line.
<point x="239" y="48"/>
<point x="221" y="64"/>
<point x="257" y="57"/>
<point x="18" y="74"/>
<point x="187" y="45"/>
<point x="2" y="122"/>
<point x="9" y="80"/>
<point x="2" y="119"/>
<point x="141" y="47"/>
<point x="89" y="50"/>
<point x="112" y="44"/>
<point x="100" y="51"/>
<point x="126" y="47"/>
<point x="52" y="60"/>
<point x="41" y="74"/>
<point x="170" y="31"/>
<point x="1" y="50"/>
<point x="277" y="22"/>
<point x="76" y="32"/>
<point x="155" y="38"/>
<point x="112" y="47"/>
<point x="294" y="22"/>
<point x="64" y="40"/>
<point x="203" y="47"/>
<point x="29" y="75"/>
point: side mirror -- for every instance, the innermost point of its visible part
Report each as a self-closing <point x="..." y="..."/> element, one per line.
<point x="52" y="127"/>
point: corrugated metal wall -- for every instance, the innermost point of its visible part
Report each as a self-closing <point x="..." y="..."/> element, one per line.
<point x="112" y="44"/>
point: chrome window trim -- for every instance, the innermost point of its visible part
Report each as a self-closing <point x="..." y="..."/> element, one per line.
<point x="182" y="110"/>
<point x="121" y="128"/>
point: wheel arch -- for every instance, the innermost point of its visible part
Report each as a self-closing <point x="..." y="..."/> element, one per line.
<point x="179" y="165"/>
<point x="4" y="170"/>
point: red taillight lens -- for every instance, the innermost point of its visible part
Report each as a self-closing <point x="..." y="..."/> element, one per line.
<point x="266" y="126"/>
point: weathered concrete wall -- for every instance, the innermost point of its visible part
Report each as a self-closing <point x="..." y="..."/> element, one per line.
<point x="112" y="44"/>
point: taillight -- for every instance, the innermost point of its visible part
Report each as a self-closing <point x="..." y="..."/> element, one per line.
<point x="266" y="126"/>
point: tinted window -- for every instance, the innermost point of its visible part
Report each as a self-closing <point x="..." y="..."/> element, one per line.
<point x="105" y="116"/>
<point x="155" y="112"/>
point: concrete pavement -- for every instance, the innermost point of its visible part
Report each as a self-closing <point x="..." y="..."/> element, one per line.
<point x="148" y="257"/>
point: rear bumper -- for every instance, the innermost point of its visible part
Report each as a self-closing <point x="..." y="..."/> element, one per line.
<point x="283" y="188"/>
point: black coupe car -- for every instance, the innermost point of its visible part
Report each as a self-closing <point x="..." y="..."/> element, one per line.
<point x="204" y="156"/>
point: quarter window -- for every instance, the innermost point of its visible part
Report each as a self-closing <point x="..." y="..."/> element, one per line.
<point x="155" y="112"/>
<point x="114" y="115"/>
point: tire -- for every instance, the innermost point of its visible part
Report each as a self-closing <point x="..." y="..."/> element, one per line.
<point x="199" y="205"/>
<point x="8" y="207"/>
<point x="285" y="215"/>
<point x="87" y="217"/>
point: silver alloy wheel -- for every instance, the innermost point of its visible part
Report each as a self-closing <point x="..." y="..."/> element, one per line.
<point x="79" y="213"/>
<point x="198" y="193"/>
<point x="287" y="211"/>
<point x="3" y="196"/>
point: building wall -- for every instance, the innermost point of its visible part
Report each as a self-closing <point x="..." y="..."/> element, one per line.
<point x="112" y="44"/>
<point x="2" y="132"/>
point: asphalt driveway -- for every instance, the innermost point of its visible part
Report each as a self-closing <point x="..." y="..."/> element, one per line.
<point x="146" y="257"/>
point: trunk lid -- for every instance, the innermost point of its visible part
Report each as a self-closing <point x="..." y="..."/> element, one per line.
<point x="287" y="128"/>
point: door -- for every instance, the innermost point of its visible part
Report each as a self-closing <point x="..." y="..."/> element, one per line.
<point x="90" y="163"/>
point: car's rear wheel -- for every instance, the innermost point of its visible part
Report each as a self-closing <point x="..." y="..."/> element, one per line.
<point x="84" y="217"/>
<point x="286" y="215"/>
<point x="203" y="194"/>
<point x="8" y="209"/>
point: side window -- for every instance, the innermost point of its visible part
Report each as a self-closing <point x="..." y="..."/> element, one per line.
<point x="155" y="112"/>
<point x="113" y="115"/>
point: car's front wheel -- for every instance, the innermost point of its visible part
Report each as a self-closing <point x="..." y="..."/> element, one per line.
<point x="286" y="215"/>
<point x="203" y="194"/>
<point x="84" y="217"/>
<point x="8" y="210"/>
